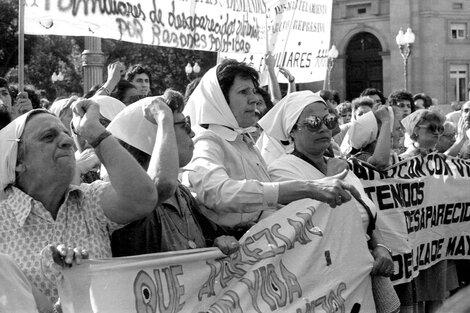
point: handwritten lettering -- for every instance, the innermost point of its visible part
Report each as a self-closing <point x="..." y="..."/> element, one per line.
<point x="394" y="196"/>
<point x="332" y="302"/>
<point x="274" y="289"/>
<point x="304" y="6"/>
<point x="150" y="295"/>
<point x="109" y="7"/>
<point x="421" y="256"/>
<point x="132" y="29"/>
<point x="435" y="215"/>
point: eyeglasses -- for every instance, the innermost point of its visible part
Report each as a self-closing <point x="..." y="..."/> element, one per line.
<point x="313" y="122"/>
<point x="433" y="128"/>
<point x="187" y="124"/>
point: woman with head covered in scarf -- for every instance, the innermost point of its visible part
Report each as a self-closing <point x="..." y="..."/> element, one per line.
<point x="302" y="118"/>
<point x="175" y="224"/>
<point x="40" y="207"/>
<point x="227" y="172"/>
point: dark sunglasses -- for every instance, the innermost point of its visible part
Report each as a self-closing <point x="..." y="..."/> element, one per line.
<point x="313" y="122"/>
<point x="433" y="128"/>
<point x="187" y="124"/>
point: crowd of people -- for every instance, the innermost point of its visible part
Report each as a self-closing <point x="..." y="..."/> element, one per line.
<point x="102" y="176"/>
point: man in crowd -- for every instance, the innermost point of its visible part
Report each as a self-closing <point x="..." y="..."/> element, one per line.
<point x="141" y="78"/>
<point x="40" y="207"/>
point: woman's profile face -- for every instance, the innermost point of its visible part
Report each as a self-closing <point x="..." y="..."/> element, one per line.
<point x="312" y="135"/>
<point x="243" y="101"/>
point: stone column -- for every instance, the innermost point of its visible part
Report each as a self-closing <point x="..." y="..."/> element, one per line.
<point x="93" y="61"/>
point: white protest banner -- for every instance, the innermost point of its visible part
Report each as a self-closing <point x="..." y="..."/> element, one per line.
<point x="210" y="25"/>
<point x="424" y="210"/>
<point x="299" y="38"/>
<point x="284" y="265"/>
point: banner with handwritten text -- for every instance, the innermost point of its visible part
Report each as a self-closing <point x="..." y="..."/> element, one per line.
<point x="298" y="37"/>
<point x="306" y="257"/>
<point x="237" y="26"/>
<point x="424" y="210"/>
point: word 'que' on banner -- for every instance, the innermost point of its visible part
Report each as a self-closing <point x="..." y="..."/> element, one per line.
<point x="305" y="257"/>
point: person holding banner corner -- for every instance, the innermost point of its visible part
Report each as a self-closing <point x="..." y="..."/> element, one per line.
<point x="41" y="207"/>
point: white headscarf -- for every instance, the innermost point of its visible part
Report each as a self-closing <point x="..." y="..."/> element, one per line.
<point x="59" y="105"/>
<point x="207" y="104"/>
<point x="280" y="120"/>
<point x="132" y="127"/>
<point x="109" y="106"/>
<point x="9" y="138"/>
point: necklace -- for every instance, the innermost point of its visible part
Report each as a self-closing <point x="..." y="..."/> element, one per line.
<point x="191" y="243"/>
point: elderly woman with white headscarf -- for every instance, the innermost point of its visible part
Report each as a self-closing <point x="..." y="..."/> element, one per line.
<point x="40" y="206"/>
<point x="302" y="118"/>
<point x="227" y="172"/>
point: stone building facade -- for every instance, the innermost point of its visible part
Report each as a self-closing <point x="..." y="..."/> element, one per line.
<point x="364" y="33"/>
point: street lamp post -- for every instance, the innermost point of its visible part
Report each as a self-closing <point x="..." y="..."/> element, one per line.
<point x="405" y="42"/>
<point x="332" y="56"/>
<point x="190" y="69"/>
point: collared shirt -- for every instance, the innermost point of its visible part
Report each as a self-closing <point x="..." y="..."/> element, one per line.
<point x="230" y="178"/>
<point x="170" y="227"/>
<point x="26" y="228"/>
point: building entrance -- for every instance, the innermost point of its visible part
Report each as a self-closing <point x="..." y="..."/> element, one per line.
<point x="363" y="65"/>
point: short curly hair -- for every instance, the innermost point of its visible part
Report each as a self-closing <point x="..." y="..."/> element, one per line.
<point x="398" y="95"/>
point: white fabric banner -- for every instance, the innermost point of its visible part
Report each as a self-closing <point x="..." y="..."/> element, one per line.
<point x="298" y="37"/>
<point x="424" y="208"/>
<point x="284" y="265"/>
<point x="211" y="25"/>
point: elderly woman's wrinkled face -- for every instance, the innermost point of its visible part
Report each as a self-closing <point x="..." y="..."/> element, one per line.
<point x="427" y="133"/>
<point x="314" y="129"/>
<point x="46" y="150"/>
<point x="243" y="101"/>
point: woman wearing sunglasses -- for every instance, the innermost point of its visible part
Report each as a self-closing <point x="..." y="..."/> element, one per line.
<point x="302" y="118"/>
<point x="424" y="127"/>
